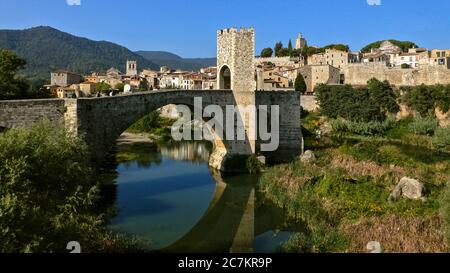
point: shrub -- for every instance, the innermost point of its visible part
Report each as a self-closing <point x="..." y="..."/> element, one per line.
<point x="423" y="126"/>
<point x="48" y="194"/>
<point x="424" y="99"/>
<point x="253" y="165"/>
<point x="358" y="104"/>
<point x="405" y="66"/>
<point x="441" y="139"/>
<point x="371" y="128"/>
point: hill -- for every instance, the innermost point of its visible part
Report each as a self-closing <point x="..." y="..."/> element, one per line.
<point x="163" y="58"/>
<point x="404" y="45"/>
<point x="46" y="49"/>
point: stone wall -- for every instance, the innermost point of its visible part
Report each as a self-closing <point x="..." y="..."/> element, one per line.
<point x="309" y="103"/>
<point x="19" y="113"/>
<point x="278" y="61"/>
<point x="359" y="74"/>
<point x="290" y="133"/>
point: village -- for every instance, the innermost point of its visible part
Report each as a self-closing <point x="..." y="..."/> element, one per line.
<point x="332" y="67"/>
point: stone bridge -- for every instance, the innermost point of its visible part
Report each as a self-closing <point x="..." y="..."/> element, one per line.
<point x="100" y="121"/>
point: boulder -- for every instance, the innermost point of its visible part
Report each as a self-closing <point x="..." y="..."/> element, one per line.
<point x="409" y="188"/>
<point x="261" y="159"/>
<point x="308" y="156"/>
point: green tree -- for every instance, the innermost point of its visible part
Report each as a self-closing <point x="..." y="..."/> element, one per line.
<point x="357" y="104"/>
<point x="421" y="99"/>
<point x="382" y="95"/>
<point x="119" y="86"/>
<point x="290" y="47"/>
<point x="340" y="47"/>
<point x="278" y="47"/>
<point x="300" y="84"/>
<point x="284" y="52"/>
<point x="11" y="85"/>
<point x="266" y="52"/>
<point x="102" y="87"/>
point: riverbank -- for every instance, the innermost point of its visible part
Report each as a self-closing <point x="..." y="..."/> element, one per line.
<point x="344" y="194"/>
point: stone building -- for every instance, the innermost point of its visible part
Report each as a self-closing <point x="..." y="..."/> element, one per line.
<point x="88" y="88"/>
<point x="319" y="74"/>
<point x="131" y="68"/>
<point x="440" y="57"/>
<point x="384" y="54"/>
<point x="64" y="78"/>
<point x="333" y="57"/>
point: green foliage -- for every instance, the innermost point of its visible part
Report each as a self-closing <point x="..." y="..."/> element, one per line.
<point x="292" y="187"/>
<point x="11" y="85"/>
<point x="445" y="212"/>
<point x="266" y="52"/>
<point x="370" y="128"/>
<point x="152" y="123"/>
<point x="253" y="165"/>
<point x="102" y="87"/>
<point x="405" y="66"/>
<point x="277" y="49"/>
<point x="48" y="194"/>
<point x="300" y="84"/>
<point x="404" y="45"/>
<point x="357" y="104"/>
<point x="340" y="47"/>
<point x="47" y="49"/>
<point x="441" y="139"/>
<point x="383" y="96"/>
<point x="424" y="99"/>
<point x="119" y="86"/>
<point x="423" y="126"/>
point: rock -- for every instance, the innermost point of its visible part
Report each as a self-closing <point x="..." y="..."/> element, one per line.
<point x="308" y="156"/>
<point x="261" y="159"/>
<point x="409" y="188"/>
<point x="325" y="127"/>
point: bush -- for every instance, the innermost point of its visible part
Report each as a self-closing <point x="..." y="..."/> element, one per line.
<point x="358" y="104"/>
<point x="253" y="165"/>
<point x="441" y="139"/>
<point x="423" y="126"/>
<point x="371" y="128"/>
<point x="48" y="193"/>
<point x="424" y="99"/>
<point x="405" y="66"/>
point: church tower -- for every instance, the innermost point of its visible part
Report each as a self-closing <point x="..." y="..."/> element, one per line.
<point x="131" y="68"/>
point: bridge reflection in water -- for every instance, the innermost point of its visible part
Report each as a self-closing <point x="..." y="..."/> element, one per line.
<point x="237" y="213"/>
<point x="233" y="219"/>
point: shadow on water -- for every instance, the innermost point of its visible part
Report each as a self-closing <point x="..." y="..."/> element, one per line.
<point x="180" y="205"/>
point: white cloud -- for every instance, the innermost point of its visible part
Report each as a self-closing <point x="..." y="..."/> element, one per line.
<point x="374" y="2"/>
<point x="73" y="2"/>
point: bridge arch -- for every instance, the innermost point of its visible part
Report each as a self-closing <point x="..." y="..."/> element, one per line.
<point x="100" y="121"/>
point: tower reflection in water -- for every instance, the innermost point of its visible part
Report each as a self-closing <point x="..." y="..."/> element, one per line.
<point x="180" y="205"/>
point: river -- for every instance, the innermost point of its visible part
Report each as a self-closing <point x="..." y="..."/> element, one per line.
<point x="167" y="195"/>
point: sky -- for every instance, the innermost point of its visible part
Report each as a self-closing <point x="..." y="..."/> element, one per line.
<point x="188" y="27"/>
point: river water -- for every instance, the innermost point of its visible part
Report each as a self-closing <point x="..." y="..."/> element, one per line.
<point x="167" y="195"/>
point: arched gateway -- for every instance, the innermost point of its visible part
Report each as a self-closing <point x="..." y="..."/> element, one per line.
<point x="100" y="121"/>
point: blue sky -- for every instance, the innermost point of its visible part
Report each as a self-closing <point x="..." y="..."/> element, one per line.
<point x="188" y="27"/>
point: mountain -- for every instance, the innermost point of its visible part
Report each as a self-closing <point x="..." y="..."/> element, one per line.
<point x="47" y="49"/>
<point x="163" y="58"/>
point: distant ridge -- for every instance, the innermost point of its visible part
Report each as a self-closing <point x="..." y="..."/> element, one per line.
<point x="46" y="49"/>
<point x="164" y="58"/>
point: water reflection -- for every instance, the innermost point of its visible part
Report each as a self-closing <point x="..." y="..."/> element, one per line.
<point x="169" y="196"/>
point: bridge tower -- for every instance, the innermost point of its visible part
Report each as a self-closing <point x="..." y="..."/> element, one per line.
<point x="236" y="71"/>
